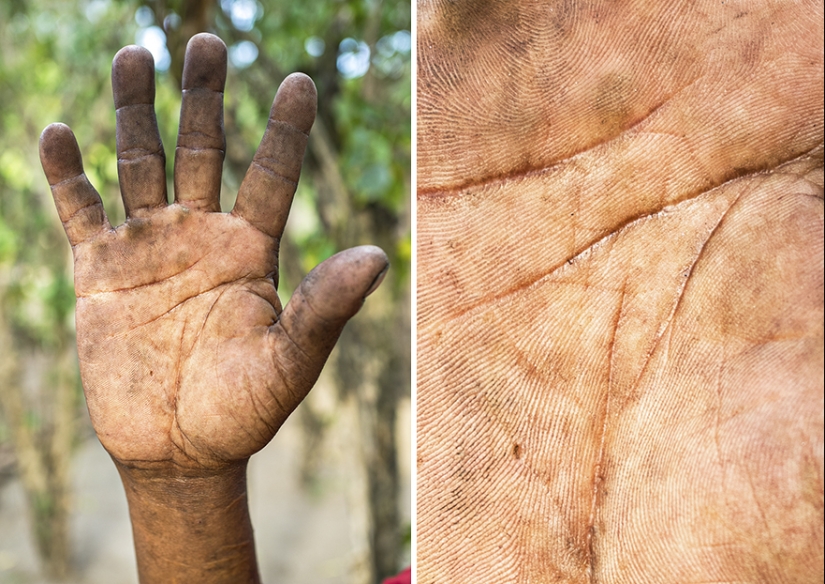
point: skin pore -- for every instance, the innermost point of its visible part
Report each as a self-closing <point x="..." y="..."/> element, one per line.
<point x="189" y="362"/>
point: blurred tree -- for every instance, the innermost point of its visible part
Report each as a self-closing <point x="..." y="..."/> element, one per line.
<point x="55" y="60"/>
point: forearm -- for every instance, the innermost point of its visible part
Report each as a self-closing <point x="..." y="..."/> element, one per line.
<point x="191" y="528"/>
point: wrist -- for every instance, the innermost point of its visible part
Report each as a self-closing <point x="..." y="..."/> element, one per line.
<point x="191" y="526"/>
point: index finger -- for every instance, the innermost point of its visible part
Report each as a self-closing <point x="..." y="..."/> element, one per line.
<point x="269" y="185"/>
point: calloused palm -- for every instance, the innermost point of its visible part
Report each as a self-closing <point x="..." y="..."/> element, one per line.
<point x="620" y="292"/>
<point x="187" y="359"/>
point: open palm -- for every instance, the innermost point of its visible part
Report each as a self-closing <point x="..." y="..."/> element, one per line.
<point x="187" y="358"/>
<point x="620" y="354"/>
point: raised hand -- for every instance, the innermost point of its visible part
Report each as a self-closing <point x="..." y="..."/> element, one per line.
<point x="188" y="362"/>
<point x="620" y="292"/>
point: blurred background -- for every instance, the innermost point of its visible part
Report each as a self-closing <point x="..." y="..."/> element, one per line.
<point x="330" y="496"/>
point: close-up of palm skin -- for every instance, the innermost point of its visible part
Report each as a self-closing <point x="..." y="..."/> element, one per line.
<point x="620" y="292"/>
<point x="188" y="362"/>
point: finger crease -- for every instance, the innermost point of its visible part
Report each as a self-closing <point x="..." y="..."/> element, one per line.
<point x="201" y="149"/>
<point x="129" y="157"/>
<point x="83" y="208"/>
<point x="128" y="105"/>
<point x="292" y="341"/>
<point x="198" y="133"/>
<point x="76" y="178"/>
<point x="274" y="173"/>
<point x="187" y="91"/>
<point x="288" y="125"/>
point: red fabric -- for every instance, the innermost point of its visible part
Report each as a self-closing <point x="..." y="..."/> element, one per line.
<point x="402" y="578"/>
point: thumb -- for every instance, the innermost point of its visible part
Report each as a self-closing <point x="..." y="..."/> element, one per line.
<point x="313" y="319"/>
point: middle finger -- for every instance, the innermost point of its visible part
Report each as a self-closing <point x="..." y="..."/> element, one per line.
<point x="201" y="143"/>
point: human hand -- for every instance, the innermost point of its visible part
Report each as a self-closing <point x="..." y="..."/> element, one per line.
<point x="186" y="356"/>
<point x="188" y="362"/>
<point x="620" y="292"/>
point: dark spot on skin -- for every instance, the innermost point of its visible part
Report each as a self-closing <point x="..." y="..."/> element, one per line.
<point x="613" y="95"/>
<point x="182" y="260"/>
<point x="517" y="450"/>
<point x="562" y="16"/>
<point x="136" y="228"/>
<point x="151" y="373"/>
<point x="462" y="18"/>
<point x="181" y="216"/>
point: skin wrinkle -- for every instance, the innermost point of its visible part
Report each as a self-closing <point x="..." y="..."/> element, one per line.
<point x="692" y="155"/>
<point x="284" y="383"/>
<point x="70" y="225"/>
<point x="137" y="104"/>
<point x="242" y="427"/>
<point x="290" y="387"/>
<point x="276" y="240"/>
<point x="758" y="503"/>
<point x="259" y="407"/>
<point x="200" y="148"/>
<point x="291" y="340"/>
<point x="599" y="462"/>
<point x="209" y="311"/>
<point x="83" y="208"/>
<point x="143" y="324"/>
<point x="138" y="154"/>
<point x="176" y="391"/>
<point x="77" y="178"/>
<point x="666" y="325"/>
<point x="669" y="321"/>
<point x="166" y="279"/>
<point x="490" y="299"/>
<point x="181" y="444"/>
<point x="175" y="307"/>
<point x="457" y="190"/>
<point x="273" y="173"/>
<point x="289" y="125"/>
<point x="473" y="308"/>
<point x="275" y="308"/>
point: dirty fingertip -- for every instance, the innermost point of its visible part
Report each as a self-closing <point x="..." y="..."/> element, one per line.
<point x="133" y="77"/>
<point x="205" y="63"/>
<point x="59" y="153"/>
<point x="296" y="102"/>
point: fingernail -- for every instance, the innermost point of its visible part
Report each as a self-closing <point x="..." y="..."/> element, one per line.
<point x="378" y="279"/>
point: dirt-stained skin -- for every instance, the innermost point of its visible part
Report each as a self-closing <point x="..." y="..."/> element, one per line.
<point x="620" y="294"/>
<point x="188" y="360"/>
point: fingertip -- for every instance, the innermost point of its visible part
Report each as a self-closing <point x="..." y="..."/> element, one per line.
<point x="205" y="63"/>
<point x="59" y="153"/>
<point x="372" y="262"/>
<point x="133" y="76"/>
<point x="296" y="102"/>
<point x="327" y="298"/>
<point x="338" y="286"/>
